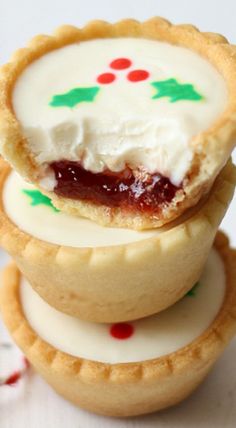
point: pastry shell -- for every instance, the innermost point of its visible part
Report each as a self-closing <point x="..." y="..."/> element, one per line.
<point x="123" y="282"/>
<point x="212" y="147"/>
<point x="125" y="389"/>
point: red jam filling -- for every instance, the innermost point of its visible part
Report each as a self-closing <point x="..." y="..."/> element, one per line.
<point x="146" y="193"/>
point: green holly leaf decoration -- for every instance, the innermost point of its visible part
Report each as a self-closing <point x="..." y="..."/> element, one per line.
<point x="37" y="198"/>
<point x="74" y="97"/>
<point x="175" y="91"/>
<point x="193" y="291"/>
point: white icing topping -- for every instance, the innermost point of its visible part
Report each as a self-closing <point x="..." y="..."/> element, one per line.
<point x="153" y="337"/>
<point x="123" y="125"/>
<point x="43" y="223"/>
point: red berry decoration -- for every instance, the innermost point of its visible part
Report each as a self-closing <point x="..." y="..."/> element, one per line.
<point x="121" y="331"/>
<point x="120" y="63"/>
<point x="106" y="78"/>
<point x="137" y="75"/>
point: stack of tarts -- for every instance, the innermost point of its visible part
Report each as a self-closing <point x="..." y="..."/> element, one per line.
<point x="121" y="294"/>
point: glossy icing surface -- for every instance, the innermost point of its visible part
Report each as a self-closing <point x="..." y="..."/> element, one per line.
<point x="33" y="213"/>
<point x="144" y="339"/>
<point x="108" y="103"/>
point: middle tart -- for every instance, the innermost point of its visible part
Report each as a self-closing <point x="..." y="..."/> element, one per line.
<point x="105" y="274"/>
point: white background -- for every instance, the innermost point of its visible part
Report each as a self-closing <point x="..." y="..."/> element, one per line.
<point x="32" y="403"/>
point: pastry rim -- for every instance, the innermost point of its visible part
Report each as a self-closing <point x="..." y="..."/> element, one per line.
<point x="198" y="352"/>
<point x="16" y="241"/>
<point x="217" y="141"/>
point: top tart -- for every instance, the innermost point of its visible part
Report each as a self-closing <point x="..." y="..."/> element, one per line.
<point x="126" y="124"/>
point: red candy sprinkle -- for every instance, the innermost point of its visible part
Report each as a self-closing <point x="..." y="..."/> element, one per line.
<point x="137" y="75"/>
<point x="16" y="375"/>
<point x="121" y="331"/>
<point x="13" y="379"/>
<point x="120" y="63"/>
<point x="106" y="78"/>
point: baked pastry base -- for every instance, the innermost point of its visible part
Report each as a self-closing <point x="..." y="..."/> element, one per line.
<point x="125" y="389"/>
<point x="123" y="282"/>
<point x="211" y="148"/>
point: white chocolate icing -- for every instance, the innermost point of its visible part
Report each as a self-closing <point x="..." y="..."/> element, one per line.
<point x="124" y="125"/>
<point x="153" y="337"/>
<point x="58" y="228"/>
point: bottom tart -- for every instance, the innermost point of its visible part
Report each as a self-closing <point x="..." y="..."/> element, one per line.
<point x="105" y="274"/>
<point x="131" y="368"/>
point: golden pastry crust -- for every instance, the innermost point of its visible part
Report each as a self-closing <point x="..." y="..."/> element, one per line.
<point x="123" y="282"/>
<point x="211" y="147"/>
<point x="132" y="388"/>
